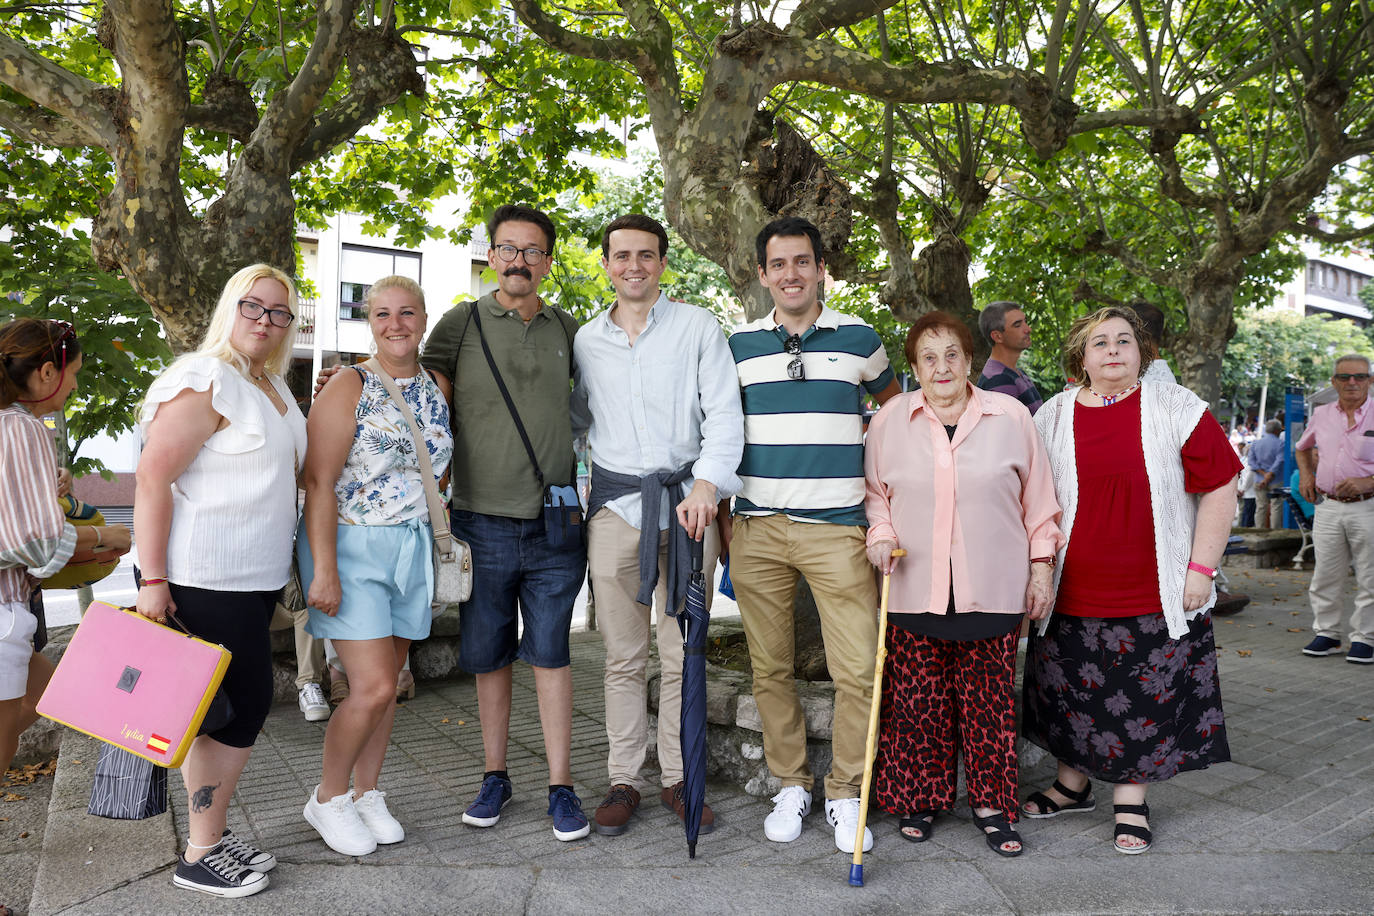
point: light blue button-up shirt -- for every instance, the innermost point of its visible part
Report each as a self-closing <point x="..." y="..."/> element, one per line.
<point x="671" y="399"/>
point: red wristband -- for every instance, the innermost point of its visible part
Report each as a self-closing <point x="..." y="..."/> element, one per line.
<point x="1205" y="570"/>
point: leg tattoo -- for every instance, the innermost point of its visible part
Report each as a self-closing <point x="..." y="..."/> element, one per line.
<point x="203" y="798"/>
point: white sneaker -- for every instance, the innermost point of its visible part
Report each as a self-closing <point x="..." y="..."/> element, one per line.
<point x="789" y="807"/>
<point x="313" y="705"/>
<point x="843" y="815"/>
<point x="371" y="808"/>
<point x="339" y="825"/>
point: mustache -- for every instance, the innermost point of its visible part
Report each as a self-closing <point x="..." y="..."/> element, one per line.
<point x="519" y="272"/>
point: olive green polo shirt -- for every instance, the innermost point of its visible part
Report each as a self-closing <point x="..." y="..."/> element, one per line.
<point x="491" y="469"/>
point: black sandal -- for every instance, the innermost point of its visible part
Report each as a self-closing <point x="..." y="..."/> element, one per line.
<point x="924" y="821"/>
<point x="1141" y="833"/>
<point x="1001" y="835"/>
<point x="1082" y="801"/>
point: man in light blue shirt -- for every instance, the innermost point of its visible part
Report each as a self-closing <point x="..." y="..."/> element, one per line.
<point x="656" y="392"/>
<point x="1265" y="457"/>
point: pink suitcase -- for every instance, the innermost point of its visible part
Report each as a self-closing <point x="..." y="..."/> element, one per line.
<point x="137" y="684"/>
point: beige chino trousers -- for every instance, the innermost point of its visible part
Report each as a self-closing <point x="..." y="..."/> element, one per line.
<point x="613" y="568"/>
<point x="1342" y="537"/>
<point x="767" y="554"/>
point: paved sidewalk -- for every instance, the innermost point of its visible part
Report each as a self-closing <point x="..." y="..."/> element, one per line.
<point x="1287" y="827"/>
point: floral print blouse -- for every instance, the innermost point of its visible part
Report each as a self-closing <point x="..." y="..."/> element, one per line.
<point x="380" y="483"/>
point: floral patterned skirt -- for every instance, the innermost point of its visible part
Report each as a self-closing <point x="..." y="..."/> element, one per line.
<point x="1118" y="699"/>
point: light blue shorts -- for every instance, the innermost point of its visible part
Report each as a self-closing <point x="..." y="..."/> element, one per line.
<point x="387" y="576"/>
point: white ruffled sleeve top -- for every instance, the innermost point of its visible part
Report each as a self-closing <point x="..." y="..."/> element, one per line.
<point x="234" y="507"/>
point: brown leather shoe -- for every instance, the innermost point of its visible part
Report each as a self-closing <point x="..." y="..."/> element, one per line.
<point x="613" y="815"/>
<point x="673" y="800"/>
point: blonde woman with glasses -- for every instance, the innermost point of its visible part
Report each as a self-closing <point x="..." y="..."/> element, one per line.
<point x="215" y="512"/>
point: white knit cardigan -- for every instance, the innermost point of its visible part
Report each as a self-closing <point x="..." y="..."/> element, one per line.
<point x="1168" y="416"/>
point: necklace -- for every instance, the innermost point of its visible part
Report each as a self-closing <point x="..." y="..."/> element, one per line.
<point x="1109" y="399"/>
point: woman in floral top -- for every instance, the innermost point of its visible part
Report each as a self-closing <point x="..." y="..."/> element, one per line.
<point x="365" y="555"/>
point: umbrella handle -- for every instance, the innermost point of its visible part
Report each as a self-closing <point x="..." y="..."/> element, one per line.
<point x="856" y="870"/>
<point x="698" y="549"/>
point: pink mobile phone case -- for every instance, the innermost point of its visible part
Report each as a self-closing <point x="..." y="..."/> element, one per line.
<point x="134" y="683"/>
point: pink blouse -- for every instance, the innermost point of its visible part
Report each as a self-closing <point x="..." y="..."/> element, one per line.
<point x="982" y="504"/>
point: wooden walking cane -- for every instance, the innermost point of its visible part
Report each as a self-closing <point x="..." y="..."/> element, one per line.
<point x="856" y="871"/>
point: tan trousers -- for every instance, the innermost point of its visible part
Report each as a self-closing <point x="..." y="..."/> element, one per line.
<point x="309" y="650"/>
<point x="613" y="568"/>
<point x="1343" y="536"/>
<point x="766" y="556"/>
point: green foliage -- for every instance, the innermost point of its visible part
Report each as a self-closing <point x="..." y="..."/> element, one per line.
<point x="688" y="276"/>
<point x="1282" y="348"/>
<point x="51" y="275"/>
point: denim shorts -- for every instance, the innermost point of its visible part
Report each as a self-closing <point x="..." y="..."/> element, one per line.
<point x="514" y="567"/>
<point x="387" y="576"/>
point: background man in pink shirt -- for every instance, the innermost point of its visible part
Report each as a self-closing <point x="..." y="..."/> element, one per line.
<point x="1336" y="460"/>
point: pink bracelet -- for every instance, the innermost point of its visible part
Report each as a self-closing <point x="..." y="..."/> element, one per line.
<point x="1205" y="570"/>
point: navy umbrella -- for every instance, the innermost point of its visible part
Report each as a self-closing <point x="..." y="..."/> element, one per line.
<point x="693" y="621"/>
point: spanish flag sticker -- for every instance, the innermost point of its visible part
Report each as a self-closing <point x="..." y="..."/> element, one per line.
<point x="159" y="743"/>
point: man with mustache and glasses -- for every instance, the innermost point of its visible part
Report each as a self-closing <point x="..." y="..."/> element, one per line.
<point x="1336" y="471"/>
<point x="498" y="502"/>
<point x="657" y="395"/>
<point x="803" y="372"/>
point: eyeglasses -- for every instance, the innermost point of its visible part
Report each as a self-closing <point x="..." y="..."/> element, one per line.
<point x="251" y="310"/>
<point x="1347" y="376"/>
<point x="792" y="346"/>
<point x="533" y="256"/>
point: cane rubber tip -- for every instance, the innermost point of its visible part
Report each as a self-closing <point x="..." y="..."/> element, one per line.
<point x="856" y="876"/>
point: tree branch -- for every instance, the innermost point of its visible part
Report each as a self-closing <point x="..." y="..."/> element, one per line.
<point x="1099" y="241"/>
<point x="1333" y="238"/>
<point x="1045" y="118"/>
<point x="382" y="68"/>
<point x="1175" y="118"/>
<point x="72" y="97"/>
<point x="532" y="14"/>
<point x="814" y="17"/>
<point x="291" y="112"/>
<point x="38" y="125"/>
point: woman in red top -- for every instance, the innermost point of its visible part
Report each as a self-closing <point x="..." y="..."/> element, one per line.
<point x="1121" y="682"/>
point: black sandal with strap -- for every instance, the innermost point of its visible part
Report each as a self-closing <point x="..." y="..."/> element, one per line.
<point x="924" y="821"/>
<point x="1141" y="833"/>
<point x="1082" y="800"/>
<point x="1002" y="834"/>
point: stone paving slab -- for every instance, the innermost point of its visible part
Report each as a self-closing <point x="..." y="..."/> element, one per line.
<point x="1288" y="826"/>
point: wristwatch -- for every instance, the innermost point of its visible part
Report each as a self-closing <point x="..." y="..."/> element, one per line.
<point x="1207" y="571"/>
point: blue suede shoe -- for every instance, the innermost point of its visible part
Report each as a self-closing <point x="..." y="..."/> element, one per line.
<point x="569" y="823"/>
<point x="1322" y="645"/>
<point x="1361" y="653"/>
<point x="486" y="810"/>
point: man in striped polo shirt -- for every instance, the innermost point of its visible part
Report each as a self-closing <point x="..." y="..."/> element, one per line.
<point x="803" y="372"/>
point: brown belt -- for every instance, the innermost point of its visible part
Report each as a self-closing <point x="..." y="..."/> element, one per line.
<point x="1346" y="499"/>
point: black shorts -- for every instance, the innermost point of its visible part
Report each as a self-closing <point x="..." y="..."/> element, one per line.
<point x="238" y="621"/>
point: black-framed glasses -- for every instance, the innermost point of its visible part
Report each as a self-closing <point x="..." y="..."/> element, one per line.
<point x="792" y="346"/>
<point x="254" y="310"/>
<point x="1347" y="376"/>
<point x="533" y="256"/>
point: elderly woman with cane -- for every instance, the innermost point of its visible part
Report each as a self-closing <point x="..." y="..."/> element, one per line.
<point x="958" y="478"/>
<point x="1121" y="682"/>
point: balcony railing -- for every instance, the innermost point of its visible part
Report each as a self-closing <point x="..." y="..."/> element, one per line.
<point x="305" y="327"/>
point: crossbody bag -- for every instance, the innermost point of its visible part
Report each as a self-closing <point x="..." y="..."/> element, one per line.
<point x="452" y="556"/>
<point x="562" y="511"/>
